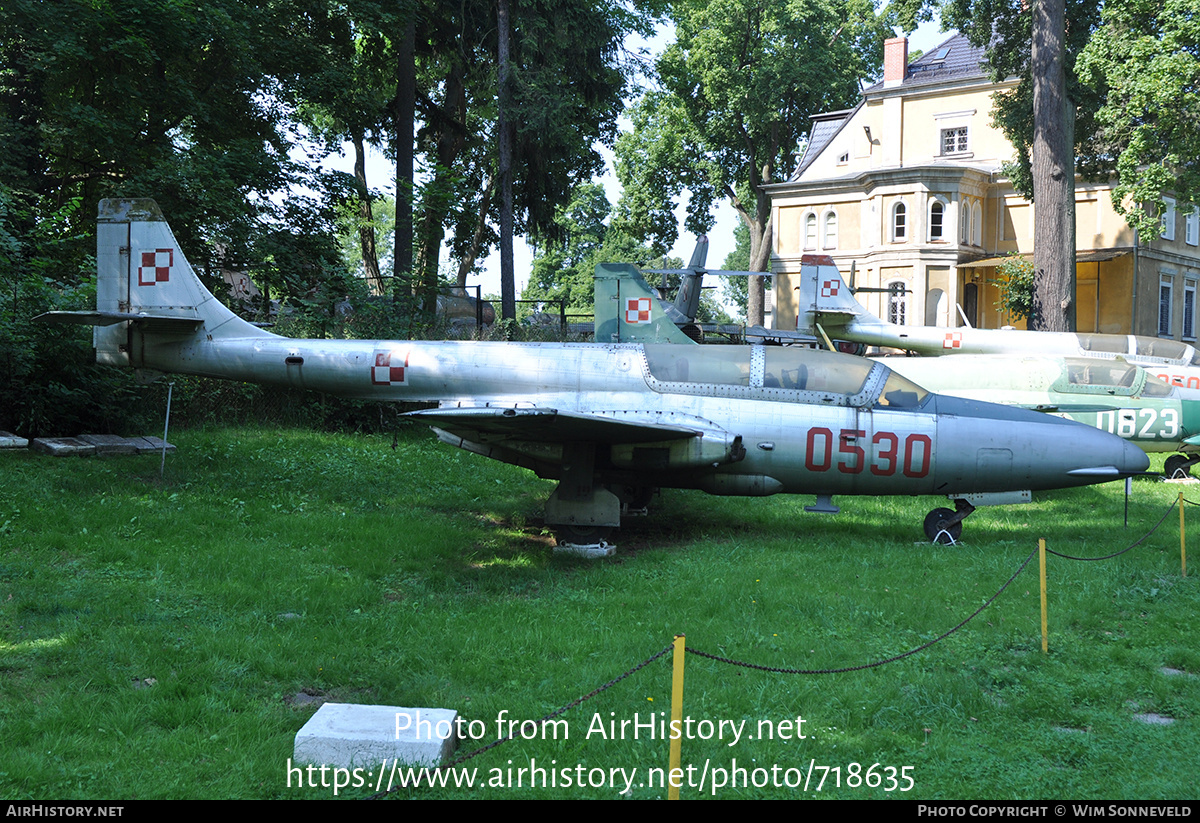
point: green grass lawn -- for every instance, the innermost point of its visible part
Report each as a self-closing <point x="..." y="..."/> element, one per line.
<point x="158" y="637"/>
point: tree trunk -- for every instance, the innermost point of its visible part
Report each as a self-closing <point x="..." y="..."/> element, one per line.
<point x="404" y="113"/>
<point x="1053" y="166"/>
<point x="508" y="288"/>
<point x="366" y="229"/>
<point x="468" y="261"/>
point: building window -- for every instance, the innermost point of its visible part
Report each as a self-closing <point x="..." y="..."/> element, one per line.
<point x="810" y="231"/>
<point x="843" y="159"/>
<point x="1189" y="310"/>
<point x="1191" y="227"/>
<point x="899" y="222"/>
<point x="1168" y="219"/>
<point x="977" y="224"/>
<point x="897" y="305"/>
<point x="954" y="141"/>
<point x="831" y="230"/>
<point x="937" y="221"/>
<point x="964" y="223"/>
<point x="1164" y="308"/>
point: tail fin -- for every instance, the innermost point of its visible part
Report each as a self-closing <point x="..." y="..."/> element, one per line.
<point x="687" y="301"/>
<point x="627" y="310"/>
<point x="825" y="298"/>
<point x="146" y="291"/>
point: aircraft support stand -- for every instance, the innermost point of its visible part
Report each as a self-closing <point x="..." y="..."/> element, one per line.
<point x="581" y="512"/>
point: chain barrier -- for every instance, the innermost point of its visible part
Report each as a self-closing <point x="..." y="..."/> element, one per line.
<point x="780" y="670"/>
<point x="877" y="663"/>
<point x="1134" y="545"/>
<point x="538" y="722"/>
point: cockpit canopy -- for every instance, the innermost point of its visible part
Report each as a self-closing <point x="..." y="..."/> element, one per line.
<point x="1113" y="377"/>
<point x="779" y="372"/>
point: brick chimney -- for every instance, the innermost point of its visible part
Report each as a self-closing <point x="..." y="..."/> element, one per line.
<point x="895" y="61"/>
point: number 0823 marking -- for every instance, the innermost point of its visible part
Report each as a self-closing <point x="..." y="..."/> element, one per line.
<point x="851" y="456"/>
<point x="1145" y="424"/>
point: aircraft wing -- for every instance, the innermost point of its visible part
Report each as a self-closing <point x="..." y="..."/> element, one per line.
<point x="552" y="426"/>
<point x="1066" y="408"/>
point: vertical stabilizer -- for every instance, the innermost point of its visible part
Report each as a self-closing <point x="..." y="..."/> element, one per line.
<point x="146" y="290"/>
<point x="825" y="298"/>
<point x="628" y="311"/>
<point x="687" y="301"/>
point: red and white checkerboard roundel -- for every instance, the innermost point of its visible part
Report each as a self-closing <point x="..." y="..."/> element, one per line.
<point x="637" y="310"/>
<point x="155" y="266"/>
<point x="953" y="340"/>
<point x="830" y="288"/>
<point x="390" y="369"/>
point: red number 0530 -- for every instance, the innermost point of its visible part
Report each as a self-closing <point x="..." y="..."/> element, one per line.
<point x="852" y="456"/>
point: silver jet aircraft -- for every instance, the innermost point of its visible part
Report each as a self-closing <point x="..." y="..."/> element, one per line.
<point x="611" y="421"/>
<point x="827" y="306"/>
<point x="826" y="300"/>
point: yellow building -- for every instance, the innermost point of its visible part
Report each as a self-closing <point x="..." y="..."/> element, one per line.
<point x="908" y="187"/>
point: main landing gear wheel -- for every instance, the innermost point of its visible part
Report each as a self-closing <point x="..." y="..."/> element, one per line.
<point x="1177" y="467"/>
<point x="938" y="528"/>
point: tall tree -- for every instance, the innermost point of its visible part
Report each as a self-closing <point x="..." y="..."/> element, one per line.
<point x="1145" y="61"/>
<point x="1048" y="117"/>
<point x="737" y="89"/>
<point x="1053" y="164"/>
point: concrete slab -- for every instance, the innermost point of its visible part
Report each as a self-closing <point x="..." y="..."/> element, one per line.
<point x="151" y="444"/>
<point x="110" y="444"/>
<point x="8" y="440"/>
<point x="62" y="446"/>
<point x="352" y="735"/>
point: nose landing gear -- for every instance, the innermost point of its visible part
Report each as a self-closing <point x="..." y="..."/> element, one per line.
<point x="945" y="526"/>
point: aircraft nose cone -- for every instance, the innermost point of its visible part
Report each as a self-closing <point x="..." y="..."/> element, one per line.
<point x="1134" y="460"/>
<point x="1107" y="457"/>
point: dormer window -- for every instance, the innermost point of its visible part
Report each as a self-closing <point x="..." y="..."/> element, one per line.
<point x="954" y="141"/>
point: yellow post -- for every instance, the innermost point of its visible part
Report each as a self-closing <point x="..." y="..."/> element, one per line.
<point x="1042" y="561"/>
<point x="675" y="773"/>
<point x="1182" y="547"/>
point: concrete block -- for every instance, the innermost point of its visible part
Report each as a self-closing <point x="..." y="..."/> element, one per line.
<point x="109" y="444"/>
<point x="151" y="444"/>
<point x="8" y="440"/>
<point x="62" y="446"/>
<point x="351" y="735"/>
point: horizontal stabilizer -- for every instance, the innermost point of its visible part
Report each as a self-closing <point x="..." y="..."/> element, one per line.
<point x="165" y="323"/>
<point x="549" y="425"/>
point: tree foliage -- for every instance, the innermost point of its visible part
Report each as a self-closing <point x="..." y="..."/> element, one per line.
<point x="1145" y="58"/>
<point x="564" y="266"/>
<point x="736" y="91"/>
<point x="1015" y="281"/>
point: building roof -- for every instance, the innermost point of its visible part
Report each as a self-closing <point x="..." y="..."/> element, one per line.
<point x="954" y="59"/>
<point x="824" y="127"/>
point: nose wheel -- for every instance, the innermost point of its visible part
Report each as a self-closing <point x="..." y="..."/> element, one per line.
<point x="1179" y="466"/>
<point x="945" y="526"/>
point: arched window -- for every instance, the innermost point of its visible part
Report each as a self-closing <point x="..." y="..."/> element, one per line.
<point x="964" y="223"/>
<point x="810" y="231"/>
<point x="899" y="222"/>
<point x="897" y="303"/>
<point x="977" y="224"/>
<point x="830" y="230"/>
<point x="937" y="220"/>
